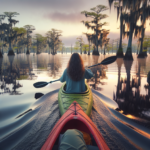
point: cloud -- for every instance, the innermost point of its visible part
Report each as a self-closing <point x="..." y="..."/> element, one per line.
<point x="63" y="17"/>
<point x="49" y="5"/>
<point x="61" y="5"/>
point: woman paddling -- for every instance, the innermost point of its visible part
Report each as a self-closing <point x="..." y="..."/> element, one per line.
<point x="75" y="74"/>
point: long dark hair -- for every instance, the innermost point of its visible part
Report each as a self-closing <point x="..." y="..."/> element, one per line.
<point x="75" y="68"/>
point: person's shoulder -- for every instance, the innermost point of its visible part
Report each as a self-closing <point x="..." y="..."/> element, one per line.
<point x="86" y="71"/>
<point x="65" y="70"/>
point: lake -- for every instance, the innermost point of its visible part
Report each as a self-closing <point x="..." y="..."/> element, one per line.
<point x="121" y="109"/>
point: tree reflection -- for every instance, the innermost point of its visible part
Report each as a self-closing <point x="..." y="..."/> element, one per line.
<point x="13" y="69"/>
<point x="119" y="64"/>
<point x="9" y="76"/>
<point x="128" y="95"/>
<point x="41" y="62"/>
<point x="99" y="74"/>
<point x="53" y="65"/>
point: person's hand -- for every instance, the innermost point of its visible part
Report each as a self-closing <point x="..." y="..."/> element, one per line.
<point x="86" y="67"/>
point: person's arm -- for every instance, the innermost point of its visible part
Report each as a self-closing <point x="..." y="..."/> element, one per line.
<point x="63" y="77"/>
<point x="88" y="74"/>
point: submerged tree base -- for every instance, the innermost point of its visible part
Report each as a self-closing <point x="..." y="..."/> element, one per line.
<point x="38" y="52"/>
<point x="53" y="53"/>
<point x="120" y="53"/>
<point x="1" y="55"/>
<point x="27" y="52"/>
<point x="142" y="55"/>
<point x="128" y="55"/>
<point x="11" y="52"/>
<point x="95" y="53"/>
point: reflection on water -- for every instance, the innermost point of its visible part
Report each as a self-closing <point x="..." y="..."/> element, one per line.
<point x="123" y="81"/>
<point x="99" y="74"/>
<point x="128" y="89"/>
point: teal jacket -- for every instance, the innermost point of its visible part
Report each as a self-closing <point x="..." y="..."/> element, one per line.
<point x="75" y="86"/>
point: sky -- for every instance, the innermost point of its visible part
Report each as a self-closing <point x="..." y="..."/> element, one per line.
<point x="64" y="15"/>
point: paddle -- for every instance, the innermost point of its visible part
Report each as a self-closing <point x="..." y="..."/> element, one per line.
<point x="38" y="95"/>
<point x="42" y="83"/>
<point x="106" y="61"/>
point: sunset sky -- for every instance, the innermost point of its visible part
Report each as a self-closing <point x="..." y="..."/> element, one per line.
<point x="63" y="15"/>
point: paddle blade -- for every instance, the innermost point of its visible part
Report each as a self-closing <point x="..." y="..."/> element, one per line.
<point x="109" y="60"/>
<point x="38" y="95"/>
<point x="106" y="61"/>
<point x="40" y="84"/>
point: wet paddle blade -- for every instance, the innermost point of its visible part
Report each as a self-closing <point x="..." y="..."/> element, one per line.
<point x="106" y="61"/>
<point x="40" y="84"/>
<point x="38" y="95"/>
<point x="109" y="60"/>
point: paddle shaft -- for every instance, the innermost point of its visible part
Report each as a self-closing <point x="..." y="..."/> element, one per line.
<point x="106" y="61"/>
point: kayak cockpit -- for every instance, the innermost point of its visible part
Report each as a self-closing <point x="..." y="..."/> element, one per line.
<point x="79" y="125"/>
<point x="92" y="146"/>
<point x="75" y="119"/>
<point x="84" y="99"/>
<point x="64" y="90"/>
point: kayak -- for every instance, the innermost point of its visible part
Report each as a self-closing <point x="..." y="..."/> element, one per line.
<point x="84" y="99"/>
<point x="75" y="118"/>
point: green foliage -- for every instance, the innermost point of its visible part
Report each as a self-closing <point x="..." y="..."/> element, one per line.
<point x="15" y="48"/>
<point x="19" y="30"/>
<point x="120" y="50"/>
<point x="23" y="77"/>
<point x="77" y="46"/>
<point x="97" y="37"/>
<point x="40" y="38"/>
<point x="146" y="43"/>
<point x="11" y="14"/>
<point x="29" y="27"/>
<point x="53" y="39"/>
<point x="34" y="47"/>
<point x="61" y="47"/>
<point x="1" y="44"/>
<point x="109" y="47"/>
<point x="40" y="42"/>
<point x="85" y="47"/>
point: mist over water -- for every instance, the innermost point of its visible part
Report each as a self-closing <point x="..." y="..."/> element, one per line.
<point x="26" y="121"/>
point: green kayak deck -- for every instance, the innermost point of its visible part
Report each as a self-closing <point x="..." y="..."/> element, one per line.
<point x="85" y="100"/>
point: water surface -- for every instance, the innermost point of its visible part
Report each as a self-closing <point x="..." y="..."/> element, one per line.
<point x="121" y="109"/>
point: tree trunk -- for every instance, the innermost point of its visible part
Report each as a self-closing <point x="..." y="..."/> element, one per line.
<point x="95" y="51"/>
<point x="120" y="50"/>
<point x="81" y="50"/>
<point x="1" y="55"/>
<point x="28" y="52"/>
<point x="49" y="50"/>
<point x="10" y="51"/>
<point x="128" y="55"/>
<point x="141" y="53"/>
<point x="104" y="50"/>
<point x="53" y="51"/>
<point x="2" y="48"/>
<point x="97" y="36"/>
<point x="89" y="49"/>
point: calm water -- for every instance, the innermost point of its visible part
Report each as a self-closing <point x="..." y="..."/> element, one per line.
<point x="121" y="109"/>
